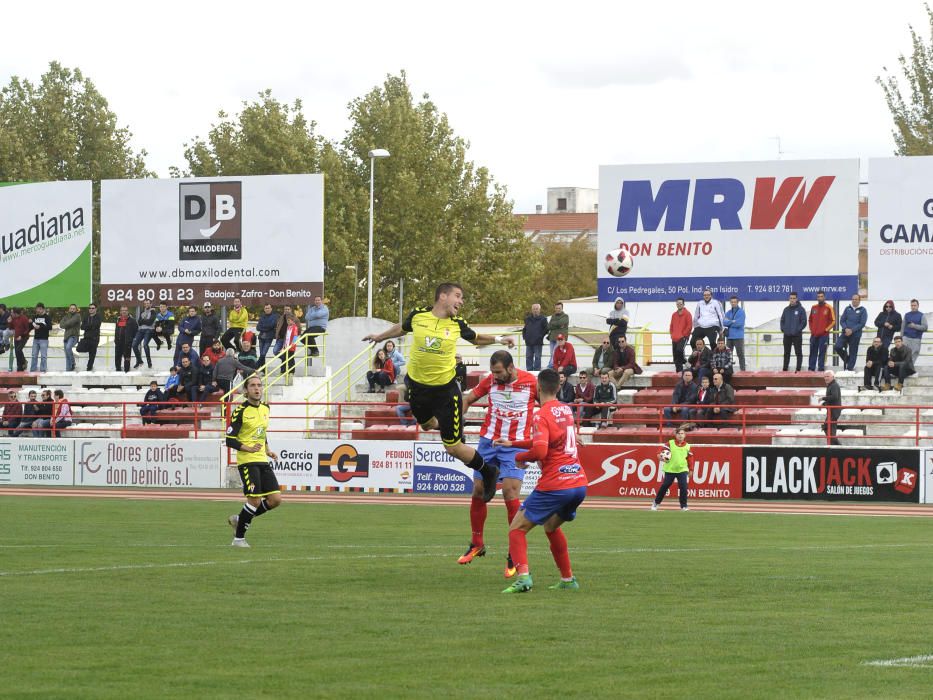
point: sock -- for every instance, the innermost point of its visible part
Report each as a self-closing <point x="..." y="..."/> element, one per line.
<point x="477" y="520"/>
<point x="477" y="462"/>
<point x="246" y="517"/>
<point x="263" y="507"/>
<point x="560" y="553"/>
<point x="511" y="507"/>
<point x="518" y="548"/>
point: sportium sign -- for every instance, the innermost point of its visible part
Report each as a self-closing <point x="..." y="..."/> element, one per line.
<point x="210" y="224"/>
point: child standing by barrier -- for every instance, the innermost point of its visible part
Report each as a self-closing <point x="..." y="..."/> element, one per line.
<point x="676" y="460"/>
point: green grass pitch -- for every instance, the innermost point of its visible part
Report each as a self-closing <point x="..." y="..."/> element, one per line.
<point x="133" y="599"/>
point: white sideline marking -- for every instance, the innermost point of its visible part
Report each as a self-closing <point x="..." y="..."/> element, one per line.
<point x="905" y="662"/>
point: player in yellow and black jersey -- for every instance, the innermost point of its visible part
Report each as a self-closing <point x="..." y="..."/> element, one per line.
<point x="248" y="435"/>
<point x="434" y="395"/>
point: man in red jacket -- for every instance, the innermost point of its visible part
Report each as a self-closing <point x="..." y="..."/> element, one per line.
<point x="822" y="320"/>
<point x="564" y="357"/>
<point x="21" y="327"/>
<point x="681" y="327"/>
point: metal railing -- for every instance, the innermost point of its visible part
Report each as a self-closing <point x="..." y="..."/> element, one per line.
<point x="285" y="365"/>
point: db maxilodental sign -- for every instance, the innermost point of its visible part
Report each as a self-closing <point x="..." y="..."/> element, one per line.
<point x="212" y="239"/>
<point x="45" y="243"/>
<point x="758" y="230"/>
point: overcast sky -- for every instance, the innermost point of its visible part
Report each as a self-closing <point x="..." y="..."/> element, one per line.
<point x="544" y="91"/>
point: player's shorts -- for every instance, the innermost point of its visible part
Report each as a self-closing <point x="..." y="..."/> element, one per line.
<point x="443" y="402"/>
<point x="503" y="457"/>
<point x="541" y="505"/>
<point x="258" y="479"/>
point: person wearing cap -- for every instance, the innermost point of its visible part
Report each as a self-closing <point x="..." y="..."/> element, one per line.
<point x="564" y="356"/>
<point x="618" y="320"/>
<point x="558" y="324"/>
<point x="188" y="327"/>
<point x="210" y="327"/>
<point x="12" y="412"/>
<point x="152" y="402"/>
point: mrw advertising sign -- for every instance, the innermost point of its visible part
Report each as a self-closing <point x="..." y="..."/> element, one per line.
<point x="900" y="227"/>
<point x="45" y="243"/>
<point x="212" y="239"/>
<point x="757" y="230"/>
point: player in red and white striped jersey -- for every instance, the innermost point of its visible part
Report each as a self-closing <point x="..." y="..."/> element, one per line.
<point x="512" y="393"/>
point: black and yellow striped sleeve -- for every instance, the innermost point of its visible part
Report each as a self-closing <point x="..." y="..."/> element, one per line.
<point x="466" y="332"/>
<point x="233" y="430"/>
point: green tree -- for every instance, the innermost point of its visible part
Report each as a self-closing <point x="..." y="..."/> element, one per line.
<point x="568" y="271"/>
<point x="437" y="215"/>
<point x="912" y="110"/>
<point x="270" y="137"/>
<point x="63" y="129"/>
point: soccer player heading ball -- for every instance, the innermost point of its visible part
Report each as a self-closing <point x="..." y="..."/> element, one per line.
<point x="433" y="392"/>
<point x="560" y="490"/>
<point x="248" y="435"/>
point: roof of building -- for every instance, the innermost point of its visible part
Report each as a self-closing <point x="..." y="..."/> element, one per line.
<point x="558" y="222"/>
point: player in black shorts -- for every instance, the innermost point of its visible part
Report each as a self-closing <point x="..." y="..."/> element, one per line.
<point x="434" y="395"/>
<point x="248" y="435"/>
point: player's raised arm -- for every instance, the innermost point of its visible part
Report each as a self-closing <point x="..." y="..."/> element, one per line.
<point x="484" y="339"/>
<point x="393" y="332"/>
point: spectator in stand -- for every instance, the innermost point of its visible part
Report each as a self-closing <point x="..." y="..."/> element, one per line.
<point x="604" y="397"/>
<point x="281" y="329"/>
<point x="41" y="325"/>
<point x="203" y="385"/>
<point x="822" y="321"/>
<point x="681" y="327"/>
<point x="290" y="343"/>
<point x="210" y="326"/>
<point x="394" y="354"/>
<point x="316" y="318"/>
<point x="186" y="379"/>
<point x="832" y="399"/>
<point x="793" y="321"/>
<point x="248" y="357"/>
<point x="164" y="326"/>
<point x="214" y="352"/>
<point x="12" y="412"/>
<point x="722" y="402"/>
<point x="915" y="325"/>
<point x="187" y="351"/>
<point x="851" y="323"/>
<point x="460" y="372"/>
<point x="683" y="398"/>
<point x="382" y="373"/>
<point x="145" y="325"/>
<point x="22" y="327"/>
<point x="171" y="383"/>
<point x="876" y="362"/>
<point x="701" y="360"/>
<point x="708" y="318"/>
<point x="225" y="371"/>
<point x="734" y="322"/>
<point x="618" y="321"/>
<point x="602" y="357"/>
<point x="266" y="328"/>
<point x="583" y="396"/>
<point x="888" y="323"/>
<point x="237" y="319"/>
<point x="624" y="365"/>
<point x="188" y="327"/>
<point x="405" y="416"/>
<point x="721" y="361"/>
<point x="60" y="418"/>
<point x="151" y="403"/>
<point x="40" y="427"/>
<point x="900" y="364"/>
<point x="704" y="399"/>
<point x="564" y="356"/>
<point x="30" y="414"/>
<point x="90" y="339"/>
<point x="124" y="330"/>
<point x="71" y="324"/>
<point x="6" y="333"/>
<point x="533" y="333"/>
<point x="565" y="390"/>
<point x="558" y="324"/>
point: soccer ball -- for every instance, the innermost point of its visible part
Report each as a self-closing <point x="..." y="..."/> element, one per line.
<point x="664" y="455"/>
<point x="619" y="262"/>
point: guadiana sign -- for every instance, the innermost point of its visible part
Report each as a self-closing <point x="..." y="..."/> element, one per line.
<point x="45" y="243"/>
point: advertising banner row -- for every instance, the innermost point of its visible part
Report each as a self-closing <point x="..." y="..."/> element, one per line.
<point x="106" y="462"/>
<point x="834" y="474"/>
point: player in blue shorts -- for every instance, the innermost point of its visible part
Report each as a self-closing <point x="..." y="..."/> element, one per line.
<point x="511" y="393"/>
